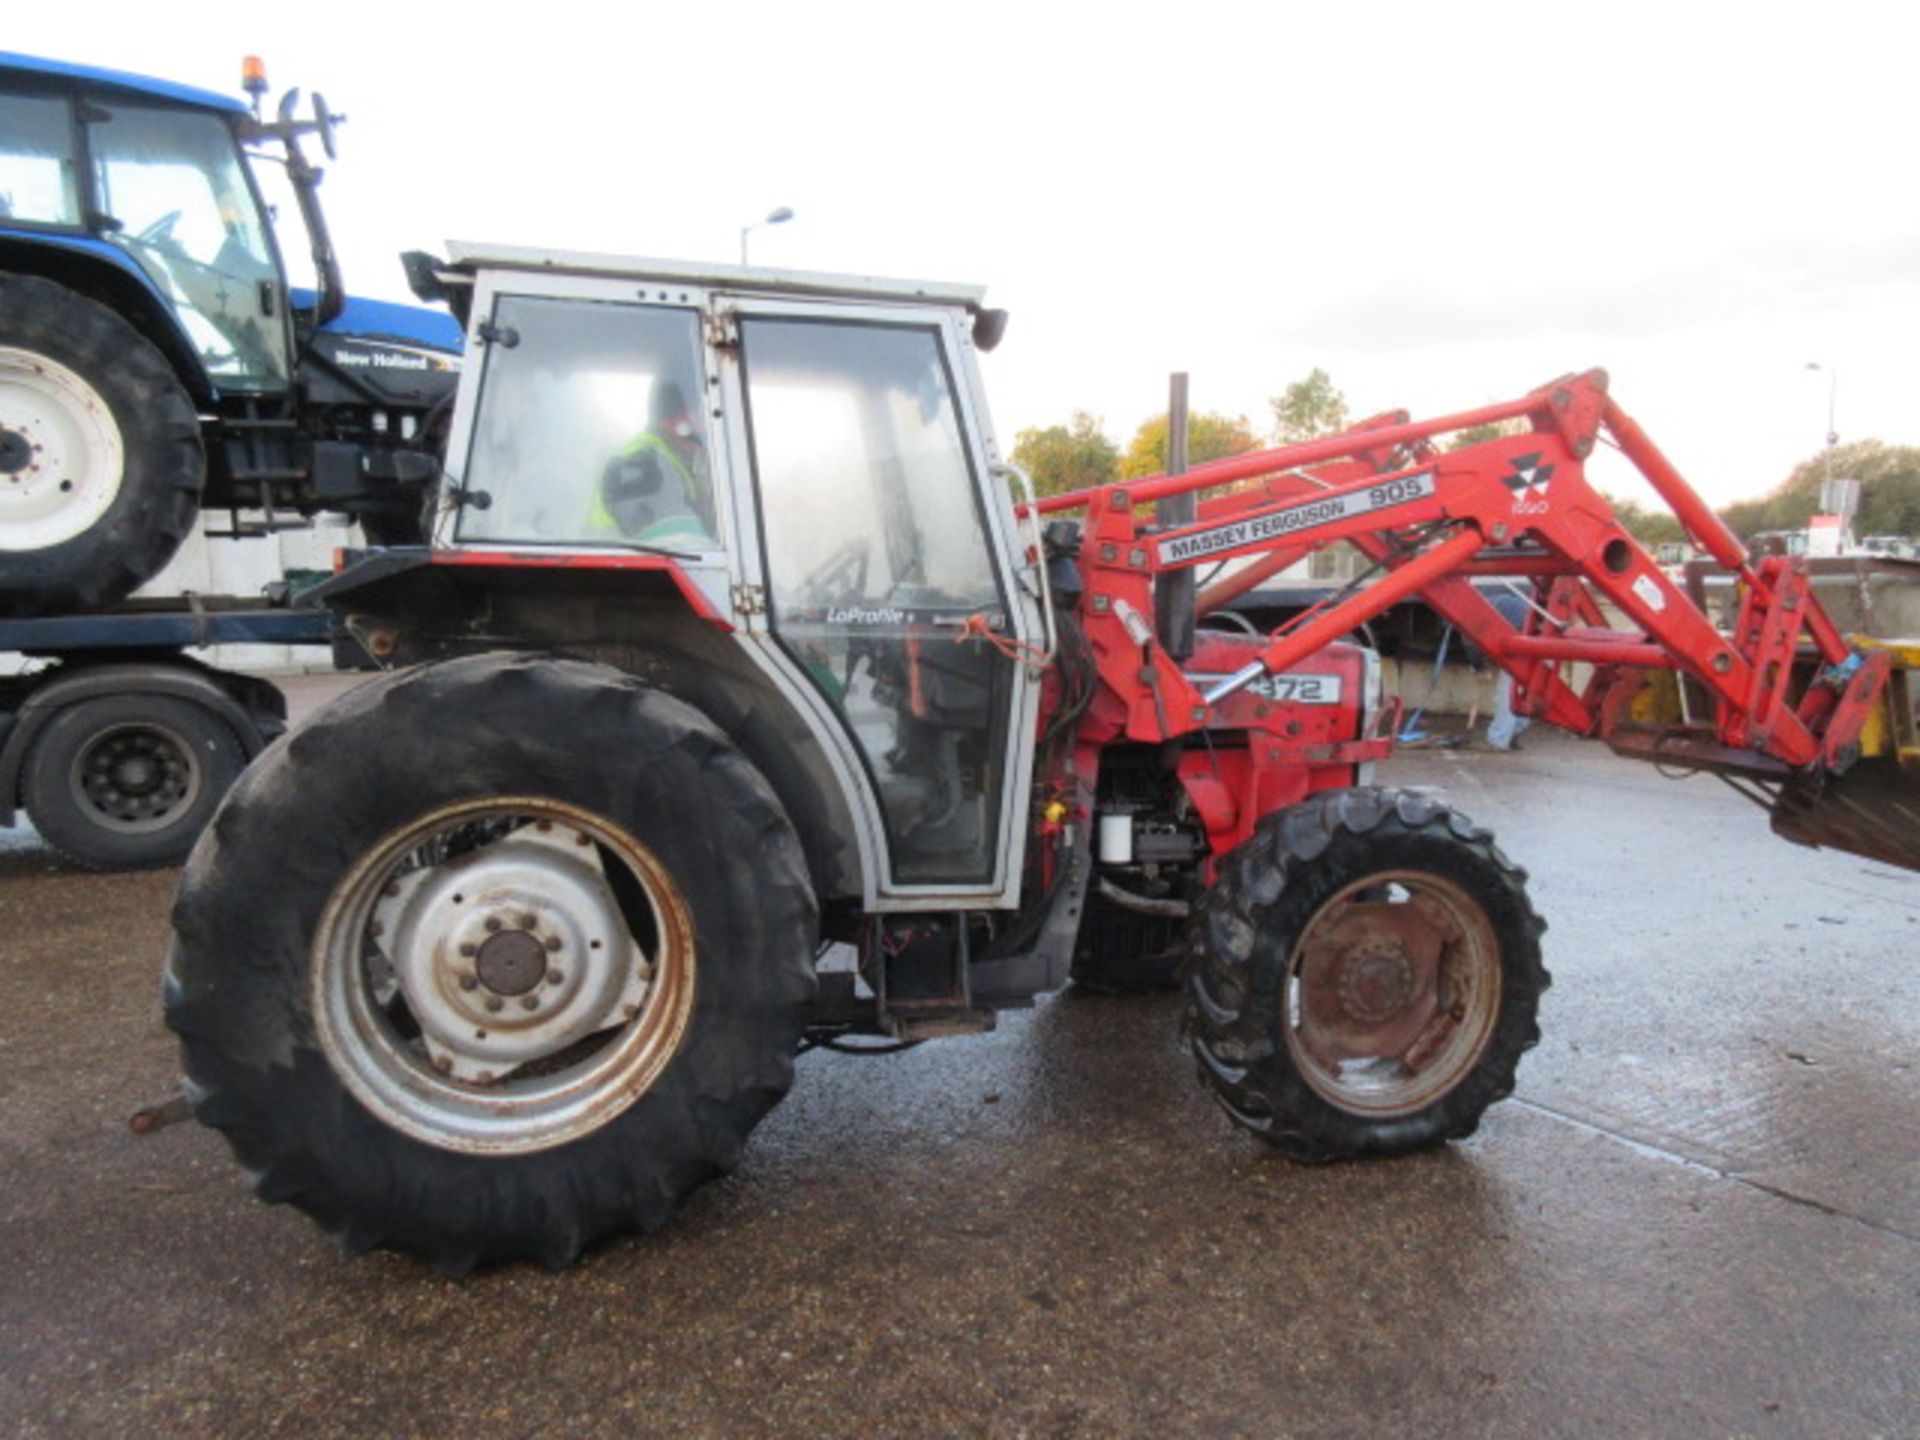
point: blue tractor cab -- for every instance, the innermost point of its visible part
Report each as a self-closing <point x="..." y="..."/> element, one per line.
<point x="155" y="359"/>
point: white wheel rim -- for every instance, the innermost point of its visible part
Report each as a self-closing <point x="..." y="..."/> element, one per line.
<point x="61" y="457"/>
<point x="493" y="1063"/>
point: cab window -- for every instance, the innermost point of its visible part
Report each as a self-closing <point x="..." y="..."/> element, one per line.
<point x="591" y="428"/>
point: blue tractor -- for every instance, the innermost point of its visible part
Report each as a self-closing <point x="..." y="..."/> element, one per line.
<point x="155" y="360"/>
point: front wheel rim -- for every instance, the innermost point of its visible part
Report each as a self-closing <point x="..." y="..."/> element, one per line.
<point x="503" y="976"/>
<point x="61" y="454"/>
<point x="1393" y="993"/>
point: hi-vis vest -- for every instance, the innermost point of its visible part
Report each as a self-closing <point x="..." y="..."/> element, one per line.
<point x="672" y="523"/>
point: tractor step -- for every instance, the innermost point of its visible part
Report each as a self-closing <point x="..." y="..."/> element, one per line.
<point x="919" y="964"/>
<point x="940" y="1027"/>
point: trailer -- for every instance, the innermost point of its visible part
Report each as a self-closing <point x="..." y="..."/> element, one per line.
<point x="117" y="740"/>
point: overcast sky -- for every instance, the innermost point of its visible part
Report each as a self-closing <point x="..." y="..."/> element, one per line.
<point x="1441" y="205"/>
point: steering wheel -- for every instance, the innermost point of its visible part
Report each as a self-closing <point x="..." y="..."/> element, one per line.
<point x="842" y="576"/>
<point x="160" y="233"/>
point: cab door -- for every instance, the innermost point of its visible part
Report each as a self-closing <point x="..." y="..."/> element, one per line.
<point x="174" y="194"/>
<point x="883" y="546"/>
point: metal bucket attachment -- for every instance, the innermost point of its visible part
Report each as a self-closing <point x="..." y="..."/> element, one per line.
<point x="1872" y="810"/>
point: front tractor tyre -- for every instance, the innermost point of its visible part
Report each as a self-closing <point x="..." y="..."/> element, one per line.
<point x="1365" y="976"/>
<point x="492" y="959"/>
<point x="101" y="461"/>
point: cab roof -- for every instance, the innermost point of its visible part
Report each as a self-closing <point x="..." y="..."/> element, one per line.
<point x="89" y="77"/>
<point x="469" y="255"/>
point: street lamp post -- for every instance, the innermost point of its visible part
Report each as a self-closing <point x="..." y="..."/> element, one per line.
<point x="774" y="217"/>
<point x="1833" y="396"/>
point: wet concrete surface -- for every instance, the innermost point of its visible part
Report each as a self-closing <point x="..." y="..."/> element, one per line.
<point x="1700" y="1215"/>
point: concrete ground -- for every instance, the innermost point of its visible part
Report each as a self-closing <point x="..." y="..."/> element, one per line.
<point x="1700" y="1215"/>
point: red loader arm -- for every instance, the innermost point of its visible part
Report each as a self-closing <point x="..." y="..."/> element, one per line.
<point x="1785" y="696"/>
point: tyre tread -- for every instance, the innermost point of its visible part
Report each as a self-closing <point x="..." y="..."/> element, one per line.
<point x="166" y="464"/>
<point x="1235" y="979"/>
<point x="547" y="1206"/>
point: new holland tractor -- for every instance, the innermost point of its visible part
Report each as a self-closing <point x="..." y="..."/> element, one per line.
<point x="737" y="706"/>
<point x="154" y="356"/>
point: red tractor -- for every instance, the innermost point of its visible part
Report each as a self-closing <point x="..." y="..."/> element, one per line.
<point x="734" y="712"/>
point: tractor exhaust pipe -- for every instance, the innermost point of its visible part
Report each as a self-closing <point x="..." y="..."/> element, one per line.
<point x="1173" y="595"/>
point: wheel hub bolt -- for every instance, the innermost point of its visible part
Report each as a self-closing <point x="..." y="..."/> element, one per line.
<point x="556" y="977"/>
<point x="493" y="925"/>
<point x="553" y="942"/>
<point x="530" y="1002"/>
<point x="494" y="1002"/>
<point x="469" y="951"/>
<point x="469" y="982"/>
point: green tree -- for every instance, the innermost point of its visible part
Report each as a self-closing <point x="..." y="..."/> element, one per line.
<point x="1476" y="434"/>
<point x="1647" y="525"/>
<point x="1746" y="518"/>
<point x="1067" y="457"/>
<point x="1308" y="409"/>
<point x="1889" y="477"/>
<point x="1209" y="437"/>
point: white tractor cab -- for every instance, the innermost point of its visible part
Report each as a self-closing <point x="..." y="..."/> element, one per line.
<point x="803" y="463"/>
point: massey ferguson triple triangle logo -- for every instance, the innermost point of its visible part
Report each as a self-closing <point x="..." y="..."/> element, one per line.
<point x="1529" y="476"/>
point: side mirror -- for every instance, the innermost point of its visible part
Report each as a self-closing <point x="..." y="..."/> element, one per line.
<point x="423" y="276"/>
<point x="323" y="120"/>
<point x="321" y="125"/>
<point x="428" y="278"/>
<point x="989" y="326"/>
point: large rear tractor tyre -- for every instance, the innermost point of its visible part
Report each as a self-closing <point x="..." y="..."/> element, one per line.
<point x="101" y="463"/>
<point x="1365" y="977"/>
<point x="492" y="959"/>
<point x="126" y="782"/>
